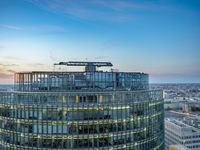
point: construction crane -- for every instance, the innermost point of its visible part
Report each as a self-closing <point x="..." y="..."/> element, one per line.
<point x="89" y="66"/>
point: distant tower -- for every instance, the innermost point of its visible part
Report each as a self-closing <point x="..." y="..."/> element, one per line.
<point x="82" y="110"/>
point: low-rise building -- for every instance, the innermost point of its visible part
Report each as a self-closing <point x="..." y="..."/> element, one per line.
<point x="179" y="133"/>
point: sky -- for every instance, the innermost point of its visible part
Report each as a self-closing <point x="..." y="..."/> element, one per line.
<point x="161" y="38"/>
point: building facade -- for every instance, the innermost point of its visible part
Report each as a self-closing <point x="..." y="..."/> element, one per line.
<point x="179" y="133"/>
<point x="81" y="110"/>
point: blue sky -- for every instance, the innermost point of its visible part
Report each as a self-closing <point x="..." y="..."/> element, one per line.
<point x="161" y="38"/>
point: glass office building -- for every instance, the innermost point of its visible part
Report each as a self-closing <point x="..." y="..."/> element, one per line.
<point x="81" y="110"/>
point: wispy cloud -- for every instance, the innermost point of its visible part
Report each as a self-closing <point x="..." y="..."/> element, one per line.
<point x="119" y="5"/>
<point x="11" y="71"/>
<point x="12" y="27"/>
<point x="95" y="9"/>
<point x="43" y="28"/>
<point x="7" y="70"/>
<point x="8" y="65"/>
<point x="47" y="27"/>
<point x="36" y="64"/>
<point x="11" y="58"/>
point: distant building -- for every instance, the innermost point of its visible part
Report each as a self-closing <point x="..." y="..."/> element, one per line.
<point x="179" y="133"/>
<point x="191" y="106"/>
<point x="192" y="120"/>
<point x="171" y="104"/>
<point x="82" y="110"/>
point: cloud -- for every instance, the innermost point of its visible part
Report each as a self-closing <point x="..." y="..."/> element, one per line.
<point x="96" y="9"/>
<point x="119" y="5"/>
<point x="11" y="71"/>
<point x="12" y="27"/>
<point x="6" y="70"/>
<point x="47" y="28"/>
<point x="43" y="27"/>
<point x="8" y="65"/>
<point x="6" y="75"/>
<point x="13" y="58"/>
<point x="36" y="64"/>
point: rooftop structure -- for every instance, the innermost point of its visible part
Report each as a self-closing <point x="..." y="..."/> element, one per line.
<point x="192" y="120"/>
<point x="82" y="110"/>
<point x="177" y="132"/>
<point x="89" y="66"/>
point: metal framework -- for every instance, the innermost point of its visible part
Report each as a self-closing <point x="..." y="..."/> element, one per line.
<point x="89" y="66"/>
<point x="85" y="63"/>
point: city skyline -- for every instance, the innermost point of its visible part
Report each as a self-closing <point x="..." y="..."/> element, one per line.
<point x="160" y="38"/>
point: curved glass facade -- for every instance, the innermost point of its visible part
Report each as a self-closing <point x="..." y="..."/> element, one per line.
<point x="104" y="111"/>
<point x="73" y="81"/>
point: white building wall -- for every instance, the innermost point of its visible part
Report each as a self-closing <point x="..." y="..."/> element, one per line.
<point x="177" y="132"/>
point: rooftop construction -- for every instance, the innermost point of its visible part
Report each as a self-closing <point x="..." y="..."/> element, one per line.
<point x="89" y="66"/>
